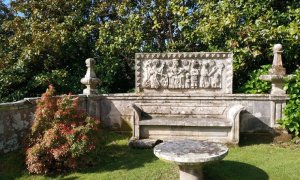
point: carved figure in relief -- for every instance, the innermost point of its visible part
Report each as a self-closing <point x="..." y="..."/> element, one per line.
<point x="187" y="80"/>
<point x="185" y="69"/>
<point x="155" y="73"/>
<point x="216" y="77"/>
<point x="164" y="82"/>
<point x="216" y="80"/>
<point x="146" y="83"/>
<point x="181" y="78"/>
<point x="170" y="74"/>
<point x="175" y="75"/>
<point x="194" y="74"/>
<point x="186" y="65"/>
<point x="204" y="76"/>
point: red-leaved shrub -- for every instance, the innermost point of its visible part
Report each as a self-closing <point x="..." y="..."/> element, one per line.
<point x="61" y="135"/>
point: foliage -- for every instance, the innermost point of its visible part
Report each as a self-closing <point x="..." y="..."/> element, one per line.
<point x="256" y="86"/>
<point x="291" y="120"/>
<point x="60" y="136"/>
<point x="50" y="39"/>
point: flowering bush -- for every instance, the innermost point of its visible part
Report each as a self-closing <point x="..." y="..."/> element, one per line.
<point x="60" y="136"/>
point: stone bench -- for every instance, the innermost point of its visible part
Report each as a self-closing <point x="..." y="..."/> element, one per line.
<point x="193" y="121"/>
<point x="181" y="77"/>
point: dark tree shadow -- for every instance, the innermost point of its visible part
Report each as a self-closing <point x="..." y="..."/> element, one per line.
<point x="112" y="155"/>
<point x="255" y="130"/>
<point x="233" y="170"/>
<point x="248" y="139"/>
<point x="109" y="156"/>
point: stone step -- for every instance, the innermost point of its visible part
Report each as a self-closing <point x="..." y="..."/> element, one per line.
<point x="177" y="121"/>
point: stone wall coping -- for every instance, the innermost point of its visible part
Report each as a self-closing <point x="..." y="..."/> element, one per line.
<point x="172" y="55"/>
<point x="31" y="101"/>
<point x="140" y="96"/>
<point x="17" y="104"/>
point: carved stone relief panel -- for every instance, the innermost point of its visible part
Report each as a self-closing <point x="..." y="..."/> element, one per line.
<point x="184" y="71"/>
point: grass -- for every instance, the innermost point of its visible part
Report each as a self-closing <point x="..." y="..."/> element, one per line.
<point x="116" y="161"/>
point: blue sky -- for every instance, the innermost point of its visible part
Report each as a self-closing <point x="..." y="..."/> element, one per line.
<point x="6" y="1"/>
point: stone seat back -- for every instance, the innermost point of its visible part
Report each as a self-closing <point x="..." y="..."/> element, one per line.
<point x="182" y="110"/>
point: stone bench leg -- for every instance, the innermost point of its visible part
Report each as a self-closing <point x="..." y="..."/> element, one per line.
<point x="191" y="172"/>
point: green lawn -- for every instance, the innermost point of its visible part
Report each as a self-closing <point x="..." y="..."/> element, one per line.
<point x="116" y="161"/>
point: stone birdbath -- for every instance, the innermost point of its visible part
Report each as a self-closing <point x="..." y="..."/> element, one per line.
<point x="190" y="155"/>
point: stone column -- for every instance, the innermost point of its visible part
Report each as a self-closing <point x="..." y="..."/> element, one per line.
<point x="276" y="73"/>
<point x="190" y="172"/>
<point x="90" y="79"/>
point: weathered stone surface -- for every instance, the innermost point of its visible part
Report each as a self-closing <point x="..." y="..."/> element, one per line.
<point x="190" y="155"/>
<point x="114" y="112"/>
<point x="215" y="120"/>
<point x="15" y="120"/>
<point x="143" y="143"/>
<point x="190" y="152"/>
<point x="193" y="72"/>
<point x="277" y="72"/>
<point x="90" y="79"/>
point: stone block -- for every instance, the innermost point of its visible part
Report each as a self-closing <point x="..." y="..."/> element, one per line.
<point x="194" y="72"/>
<point x="262" y="109"/>
<point x="17" y="123"/>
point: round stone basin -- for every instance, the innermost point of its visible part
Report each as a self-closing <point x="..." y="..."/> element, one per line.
<point x="190" y="155"/>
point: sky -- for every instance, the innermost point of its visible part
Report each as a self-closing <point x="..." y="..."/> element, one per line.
<point x="6" y="1"/>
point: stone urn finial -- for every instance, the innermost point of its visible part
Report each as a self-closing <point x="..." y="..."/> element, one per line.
<point x="277" y="72"/>
<point x="277" y="67"/>
<point x="90" y="79"/>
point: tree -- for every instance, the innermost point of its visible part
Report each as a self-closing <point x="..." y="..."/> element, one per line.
<point x="52" y="38"/>
<point x="50" y="41"/>
<point x="5" y="15"/>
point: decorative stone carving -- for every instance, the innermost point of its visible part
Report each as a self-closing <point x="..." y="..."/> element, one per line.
<point x="159" y="75"/>
<point x="90" y="79"/>
<point x="277" y="72"/>
<point x="184" y="71"/>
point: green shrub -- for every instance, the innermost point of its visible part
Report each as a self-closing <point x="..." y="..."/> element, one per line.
<point x="61" y="135"/>
<point x="291" y="119"/>
<point x="256" y="86"/>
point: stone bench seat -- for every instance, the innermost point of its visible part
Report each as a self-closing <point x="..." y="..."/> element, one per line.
<point x="205" y="120"/>
<point x="185" y="121"/>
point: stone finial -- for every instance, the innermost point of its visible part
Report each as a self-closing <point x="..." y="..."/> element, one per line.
<point x="277" y="67"/>
<point x="277" y="72"/>
<point x="90" y="79"/>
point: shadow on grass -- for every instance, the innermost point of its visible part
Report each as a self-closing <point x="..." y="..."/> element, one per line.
<point x="248" y="139"/>
<point x="112" y="154"/>
<point x="12" y="165"/>
<point x="233" y="170"/>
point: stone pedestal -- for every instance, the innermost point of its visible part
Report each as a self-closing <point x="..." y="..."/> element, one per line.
<point x="190" y="155"/>
<point x="191" y="172"/>
<point x="90" y="79"/>
<point x="276" y="73"/>
<point x="277" y="83"/>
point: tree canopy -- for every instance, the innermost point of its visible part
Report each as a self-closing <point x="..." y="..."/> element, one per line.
<point x="46" y="41"/>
